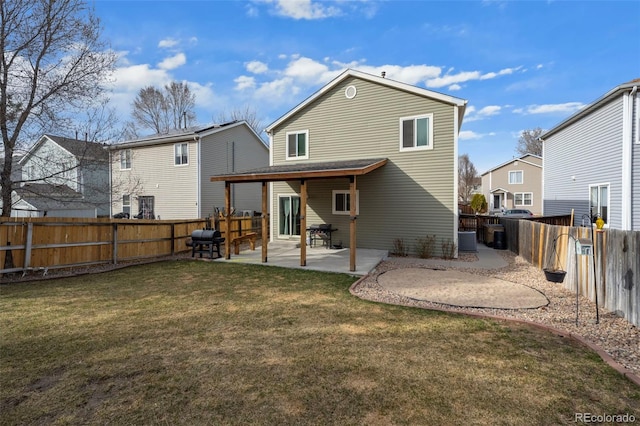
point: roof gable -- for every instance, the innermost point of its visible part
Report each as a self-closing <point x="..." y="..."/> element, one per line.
<point x="457" y="102"/>
<point x="524" y="159"/>
<point x="82" y="150"/>
<point x="611" y="94"/>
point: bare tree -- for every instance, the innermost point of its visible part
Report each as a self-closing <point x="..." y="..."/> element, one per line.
<point x="467" y="178"/>
<point x="529" y="142"/>
<point x="163" y="110"/>
<point x="180" y="103"/>
<point x="246" y="113"/>
<point x="150" y="109"/>
<point x="52" y="66"/>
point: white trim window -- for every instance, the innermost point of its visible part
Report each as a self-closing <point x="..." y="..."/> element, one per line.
<point x="126" y="204"/>
<point x="599" y="200"/>
<point x="416" y="132"/>
<point x="181" y="154"/>
<point x="523" y="198"/>
<point x="298" y="145"/>
<point x="341" y="201"/>
<point x="516" y="177"/>
<point x="125" y="159"/>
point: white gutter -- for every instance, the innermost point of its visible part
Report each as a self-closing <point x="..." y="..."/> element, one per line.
<point x="198" y="141"/>
<point x="628" y="101"/>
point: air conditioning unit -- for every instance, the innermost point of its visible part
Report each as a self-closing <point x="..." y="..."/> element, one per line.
<point x="467" y="241"/>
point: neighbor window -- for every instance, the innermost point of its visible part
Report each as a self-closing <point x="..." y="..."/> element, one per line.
<point x="515" y="177"/>
<point x="416" y="132"/>
<point x="181" y="153"/>
<point x="126" y="204"/>
<point x="599" y="201"/>
<point x="523" y="198"/>
<point x="342" y="202"/>
<point x="298" y="145"/>
<point x="125" y="159"/>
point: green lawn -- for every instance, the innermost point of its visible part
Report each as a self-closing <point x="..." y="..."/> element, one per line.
<point x="189" y="342"/>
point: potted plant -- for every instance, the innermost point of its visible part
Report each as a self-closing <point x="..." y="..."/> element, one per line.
<point x="552" y="274"/>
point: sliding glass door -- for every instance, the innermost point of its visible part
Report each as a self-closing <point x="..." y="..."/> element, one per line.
<point x="288" y="215"/>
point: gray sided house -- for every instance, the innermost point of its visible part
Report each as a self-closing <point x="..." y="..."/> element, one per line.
<point x="63" y="177"/>
<point x="167" y="176"/>
<point x="399" y="139"/>
<point x="591" y="161"/>
<point x="515" y="184"/>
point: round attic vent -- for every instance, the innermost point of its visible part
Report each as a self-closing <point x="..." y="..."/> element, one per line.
<point x="350" y="92"/>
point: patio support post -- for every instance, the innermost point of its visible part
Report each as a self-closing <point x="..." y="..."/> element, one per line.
<point x="227" y="219"/>
<point x="352" y="224"/>
<point x="265" y="222"/>
<point x="303" y="222"/>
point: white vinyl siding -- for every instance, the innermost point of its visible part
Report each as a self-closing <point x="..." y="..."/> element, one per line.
<point x="586" y="153"/>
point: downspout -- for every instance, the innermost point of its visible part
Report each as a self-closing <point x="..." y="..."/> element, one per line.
<point x="542" y="180"/>
<point x="627" y="153"/>
<point x="273" y="219"/>
<point x="456" y="195"/>
<point x="110" y="183"/>
<point x="198" y="140"/>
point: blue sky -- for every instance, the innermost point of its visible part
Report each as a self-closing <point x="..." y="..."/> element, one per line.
<point x="520" y="64"/>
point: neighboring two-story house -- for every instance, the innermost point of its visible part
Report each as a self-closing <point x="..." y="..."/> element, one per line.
<point x="167" y="176"/>
<point x="592" y="161"/>
<point x="368" y="148"/>
<point x="515" y="184"/>
<point x="63" y="177"/>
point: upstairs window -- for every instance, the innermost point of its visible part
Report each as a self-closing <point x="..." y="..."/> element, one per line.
<point x="181" y="154"/>
<point x="342" y="202"/>
<point x="125" y="159"/>
<point x="515" y="177"/>
<point x="298" y="145"/>
<point x="416" y="133"/>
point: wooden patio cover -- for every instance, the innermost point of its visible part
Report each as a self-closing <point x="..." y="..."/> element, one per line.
<point x="303" y="172"/>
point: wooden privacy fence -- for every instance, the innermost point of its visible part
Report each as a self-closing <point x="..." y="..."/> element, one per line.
<point x="28" y="244"/>
<point x="613" y="271"/>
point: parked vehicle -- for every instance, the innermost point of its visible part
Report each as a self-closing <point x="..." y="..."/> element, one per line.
<point x="516" y="213"/>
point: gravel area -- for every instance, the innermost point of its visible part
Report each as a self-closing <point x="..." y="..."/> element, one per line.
<point x="615" y="335"/>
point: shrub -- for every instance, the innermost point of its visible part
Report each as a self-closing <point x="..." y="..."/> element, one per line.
<point x="448" y="249"/>
<point x="399" y="248"/>
<point x="425" y="247"/>
<point x="479" y="203"/>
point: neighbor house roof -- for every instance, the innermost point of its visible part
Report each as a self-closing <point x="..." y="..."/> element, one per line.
<point x="611" y="94"/>
<point x="82" y="150"/>
<point x="459" y="103"/>
<point x="183" y="135"/>
<point x="44" y="196"/>
<point x="516" y="159"/>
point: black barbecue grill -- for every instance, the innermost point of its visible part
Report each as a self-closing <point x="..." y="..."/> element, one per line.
<point x="204" y="240"/>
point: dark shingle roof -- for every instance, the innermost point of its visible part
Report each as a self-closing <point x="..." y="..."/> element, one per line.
<point x="82" y="149"/>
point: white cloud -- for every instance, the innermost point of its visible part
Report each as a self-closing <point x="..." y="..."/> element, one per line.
<point x="306" y="70"/>
<point x="471" y="135"/>
<point x="256" y="67"/>
<point x="565" y="108"/>
<point x="167" y="43"/>
<point x="277" y="89"/>
<point x="465" y="76"/>
<point x="455" y="87"/>
<point x="245" y="82"/>
<point x="305" y="9"/>
<point x="482" y="113"/>
<point x="173" y="62"/>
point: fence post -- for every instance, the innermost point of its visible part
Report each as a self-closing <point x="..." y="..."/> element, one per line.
<point x="115" y="243"/>
<point x="27" y="246"/>
<point x="173" y="241"/>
